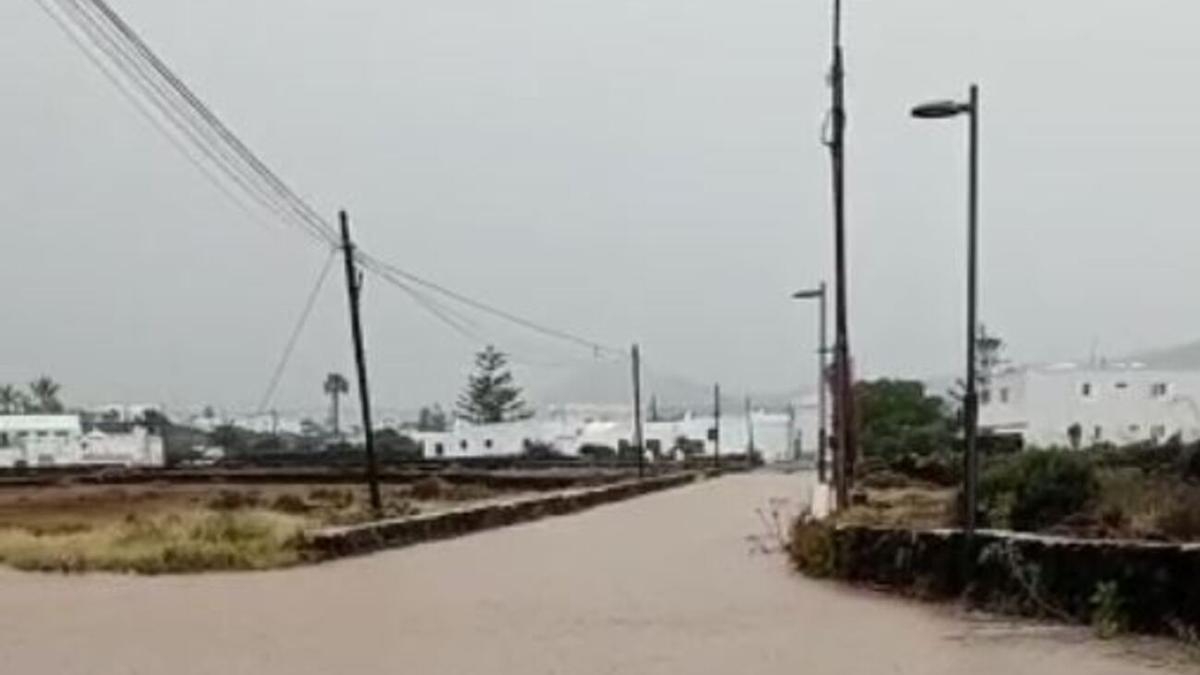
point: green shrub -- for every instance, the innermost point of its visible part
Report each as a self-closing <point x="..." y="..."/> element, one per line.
<point x="1037" y="489"/>
<point x="1109" y="618"/>
<point x="811" y="547"/>
<point x="597" y="453"/>
<point x="1181" y="519"/>
<point x="939" y="468"/>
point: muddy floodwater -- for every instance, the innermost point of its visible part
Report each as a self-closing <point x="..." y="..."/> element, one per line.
<point x="674" y="582"/>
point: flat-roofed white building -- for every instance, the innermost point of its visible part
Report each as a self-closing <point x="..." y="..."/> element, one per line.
<point x="59" y="440"/>
<point x="568" y="433"/>
<point x="1070" y="405"/>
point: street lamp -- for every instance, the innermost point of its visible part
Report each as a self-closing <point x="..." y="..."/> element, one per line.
<point x="822" y="442"/>
<point x="942" y="110"/>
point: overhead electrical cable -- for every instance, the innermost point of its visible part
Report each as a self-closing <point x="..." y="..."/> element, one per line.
<point x="290" y="346"/>
<point x="177" y="112"/>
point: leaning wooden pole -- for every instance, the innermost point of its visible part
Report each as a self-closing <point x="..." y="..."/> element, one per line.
<point x="354" y="289"/>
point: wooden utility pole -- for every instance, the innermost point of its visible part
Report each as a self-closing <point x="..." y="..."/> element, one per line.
<point x="717" y="426"/>
<point x="846" y="442"/>
<point x="354" y="290"/>
<point x="638" y="433"/>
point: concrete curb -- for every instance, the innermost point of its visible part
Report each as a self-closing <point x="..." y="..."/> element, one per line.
<point x="339" y="542"/>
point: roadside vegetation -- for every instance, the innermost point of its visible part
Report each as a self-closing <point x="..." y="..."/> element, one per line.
<point x="175" y="529"/>
<point x="912" y="469"/>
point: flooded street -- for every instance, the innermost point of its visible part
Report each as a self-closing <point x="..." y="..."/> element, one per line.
<point x="668" y="583"/>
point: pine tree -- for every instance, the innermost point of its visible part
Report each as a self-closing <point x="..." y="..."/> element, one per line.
<point x="490" y="396"/>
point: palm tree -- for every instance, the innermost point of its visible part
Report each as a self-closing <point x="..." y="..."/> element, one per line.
<point x="45" y="395"/>
<point x="335" y="386"/>
<point x="12" y="401"/>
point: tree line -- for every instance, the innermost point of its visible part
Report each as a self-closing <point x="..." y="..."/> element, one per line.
<point x="40" y="396"/>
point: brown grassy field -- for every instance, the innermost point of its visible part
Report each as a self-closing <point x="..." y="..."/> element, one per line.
<point x="164" y="528"/>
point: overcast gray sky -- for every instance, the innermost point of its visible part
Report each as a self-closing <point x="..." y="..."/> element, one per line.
<point x="628" y="170"/>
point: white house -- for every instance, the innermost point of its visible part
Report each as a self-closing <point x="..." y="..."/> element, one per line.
<point x="59" y="440"/>
<point x="569" y="431"/>
<point x="1072" y="405"/>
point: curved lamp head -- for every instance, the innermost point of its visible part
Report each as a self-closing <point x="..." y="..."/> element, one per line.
<point x="940" y="110"/>
<point x="808" y="295"/>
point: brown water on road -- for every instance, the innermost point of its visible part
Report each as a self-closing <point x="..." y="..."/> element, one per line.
<point x="667" y="583"/>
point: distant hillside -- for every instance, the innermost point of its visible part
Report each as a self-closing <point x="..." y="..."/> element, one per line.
<point x="608" y="383"/>
<point x="1180" y="357"/>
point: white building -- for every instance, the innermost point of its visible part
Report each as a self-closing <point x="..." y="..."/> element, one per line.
<point x="59" y="440"/>
<point x="1069" y="405"/>
<point x="569" y="432"/>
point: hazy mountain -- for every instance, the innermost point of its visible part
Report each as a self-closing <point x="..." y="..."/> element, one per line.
<point x="1179" y="357"/>
<point x="606" y="384"/>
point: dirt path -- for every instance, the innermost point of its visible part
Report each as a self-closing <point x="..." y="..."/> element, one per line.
<point x="663" y="584"/>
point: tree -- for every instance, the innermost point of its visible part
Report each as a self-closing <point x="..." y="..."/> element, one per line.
<point x="394" y="445"/>
<point x="44" y="392"/>
<point x="12" y="400"/>
<point x="433" y="419"/>
<point x="989" y="356"/>
<point x="491" y="397"/>
<point x="898" y="418"/>
<point x="335" y="386"/>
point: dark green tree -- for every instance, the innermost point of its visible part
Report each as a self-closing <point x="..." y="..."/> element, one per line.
<point x="335" y="386"/>
<point x="898" y="417"/>
<point x="433" y="419"/>
<point x="12" y="400"/>
<point x="44" y="392"/>
<point x="491" y="396"/>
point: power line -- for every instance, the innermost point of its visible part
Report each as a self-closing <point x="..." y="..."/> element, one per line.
<point x="596" y="347"/>
<point x="126" y="58"/>
<point x="143" y="107"/>
<point x="195" y="123"/>
<point x="296" y="331"/>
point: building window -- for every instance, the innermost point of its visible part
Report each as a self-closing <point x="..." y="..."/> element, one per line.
<point x="488" y="444"/>
<point x="1004" y="395"/>
<point x="1097" y="433"/>
<point x="985" y="396"/>
<point x="1086" y="389"/>
<point x="1122" y="385"/>
<point x="1158" y="390"/>
<point x="440" y="449"/>
<point x="1158" y="431"/>
<point x="463" y="444"/>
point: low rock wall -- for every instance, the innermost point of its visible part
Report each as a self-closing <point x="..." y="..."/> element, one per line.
<point x="1157" y="584"/>
<point x="358" y="539"/>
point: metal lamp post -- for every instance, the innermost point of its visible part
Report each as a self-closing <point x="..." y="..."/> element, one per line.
<point x="941" y="110"/>
<point x="819" y="294"/>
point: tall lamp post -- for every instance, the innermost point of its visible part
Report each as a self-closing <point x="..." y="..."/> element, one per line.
<point x="941" y="110"/>
<point x="819" y="294"/>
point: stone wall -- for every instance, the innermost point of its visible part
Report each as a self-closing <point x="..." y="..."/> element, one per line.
<point x="358" y="539"/>
<point x="1157" y="584"/>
